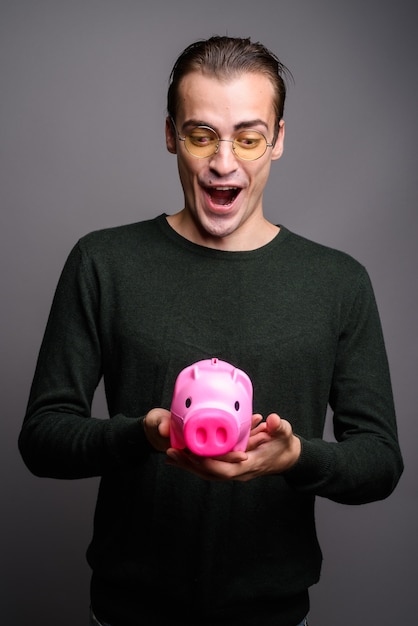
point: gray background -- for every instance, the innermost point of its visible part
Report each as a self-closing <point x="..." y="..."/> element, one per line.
<point x="82" y="100"/>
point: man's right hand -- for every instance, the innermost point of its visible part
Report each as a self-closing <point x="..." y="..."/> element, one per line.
<point x="156" y="425"/>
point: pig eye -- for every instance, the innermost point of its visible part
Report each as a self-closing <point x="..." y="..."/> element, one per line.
<point x="188" y="402"/>
<point x="237" y="405"/>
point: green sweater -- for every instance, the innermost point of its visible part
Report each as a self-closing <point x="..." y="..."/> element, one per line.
<point x="136" y="304"/>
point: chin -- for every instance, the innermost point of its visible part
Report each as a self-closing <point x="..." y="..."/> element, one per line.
<point x="220" y="225"/>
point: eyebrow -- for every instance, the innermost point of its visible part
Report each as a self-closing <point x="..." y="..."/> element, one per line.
<point x="192" y="123"/>
<point x="251" y="124"/>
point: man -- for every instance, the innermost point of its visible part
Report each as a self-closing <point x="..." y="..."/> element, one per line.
<point x="180" y="538"/>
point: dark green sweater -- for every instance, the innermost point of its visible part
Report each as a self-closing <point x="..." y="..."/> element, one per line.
<point x="138" y="303"/>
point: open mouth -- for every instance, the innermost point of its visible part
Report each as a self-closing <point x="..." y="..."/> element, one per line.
<point x="223" y="196"/>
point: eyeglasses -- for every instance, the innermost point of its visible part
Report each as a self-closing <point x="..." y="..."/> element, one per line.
<point x="203" y="142"/>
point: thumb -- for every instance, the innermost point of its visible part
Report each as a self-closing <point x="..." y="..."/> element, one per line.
<point x="164" y="426"/>
<point x="273" y="422"/>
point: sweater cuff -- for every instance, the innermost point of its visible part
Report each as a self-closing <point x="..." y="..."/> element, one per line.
<point x="127" y="440"/>
<point x="313" y="466"/>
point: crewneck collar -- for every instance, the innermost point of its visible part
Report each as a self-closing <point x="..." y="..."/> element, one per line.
<point x="214" y="252"/>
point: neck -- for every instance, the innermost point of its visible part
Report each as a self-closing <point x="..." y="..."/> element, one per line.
<point x="245" y="238"/>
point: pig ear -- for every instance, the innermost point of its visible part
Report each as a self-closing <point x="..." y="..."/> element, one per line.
<point x="195" y="372"/>
<point x="238" y="376"/>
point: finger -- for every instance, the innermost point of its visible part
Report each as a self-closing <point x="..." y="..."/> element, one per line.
<point x="261" y="428"/>
<point x="274" y="423"/>
<point x="164" y="429"/>
<point x="256" y="419"/>
<point x="257" y="440"/>
<point x="237" y="456"/>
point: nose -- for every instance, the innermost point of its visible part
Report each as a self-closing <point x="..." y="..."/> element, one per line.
<point x="224" y="161"/>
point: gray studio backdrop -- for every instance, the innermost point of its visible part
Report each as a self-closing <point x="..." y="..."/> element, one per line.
<point x="82" y="104"/>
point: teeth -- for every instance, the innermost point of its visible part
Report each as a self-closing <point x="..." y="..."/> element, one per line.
<point x="224" y="195"/>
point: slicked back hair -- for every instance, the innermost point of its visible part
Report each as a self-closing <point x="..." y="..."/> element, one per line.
<point x="226" y="58"/>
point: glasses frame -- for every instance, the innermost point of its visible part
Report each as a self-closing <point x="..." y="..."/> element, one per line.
<point x="231" y="141"/>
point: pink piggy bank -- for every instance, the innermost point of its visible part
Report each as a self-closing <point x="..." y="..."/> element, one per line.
<point x="211" y="409"/>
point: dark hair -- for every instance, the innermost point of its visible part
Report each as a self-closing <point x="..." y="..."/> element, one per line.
<point x="226" y="57"/>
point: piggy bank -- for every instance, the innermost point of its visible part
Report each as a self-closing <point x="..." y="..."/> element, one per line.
<point x="211" y="408"/>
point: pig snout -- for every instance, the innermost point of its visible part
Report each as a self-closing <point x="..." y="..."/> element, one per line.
<point x="211" y="432"/>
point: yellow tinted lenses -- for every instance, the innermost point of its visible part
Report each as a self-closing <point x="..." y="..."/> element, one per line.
<point x="204" y="142"/>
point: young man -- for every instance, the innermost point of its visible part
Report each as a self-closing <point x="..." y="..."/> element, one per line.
<point x="180" y="538"/>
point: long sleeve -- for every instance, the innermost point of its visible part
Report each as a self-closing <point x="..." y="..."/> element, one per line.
<point x="59" y="437"/>
<point x="365" y="464"/>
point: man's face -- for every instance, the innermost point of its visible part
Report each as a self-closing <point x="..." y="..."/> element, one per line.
<point x="223" y="194"/>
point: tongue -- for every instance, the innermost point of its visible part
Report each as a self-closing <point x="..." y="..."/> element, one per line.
<point x="222" y="197"/>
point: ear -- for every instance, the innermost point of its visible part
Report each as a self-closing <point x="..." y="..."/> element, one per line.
<point x="170" y="136"/>
<point x="278" y="147"/>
